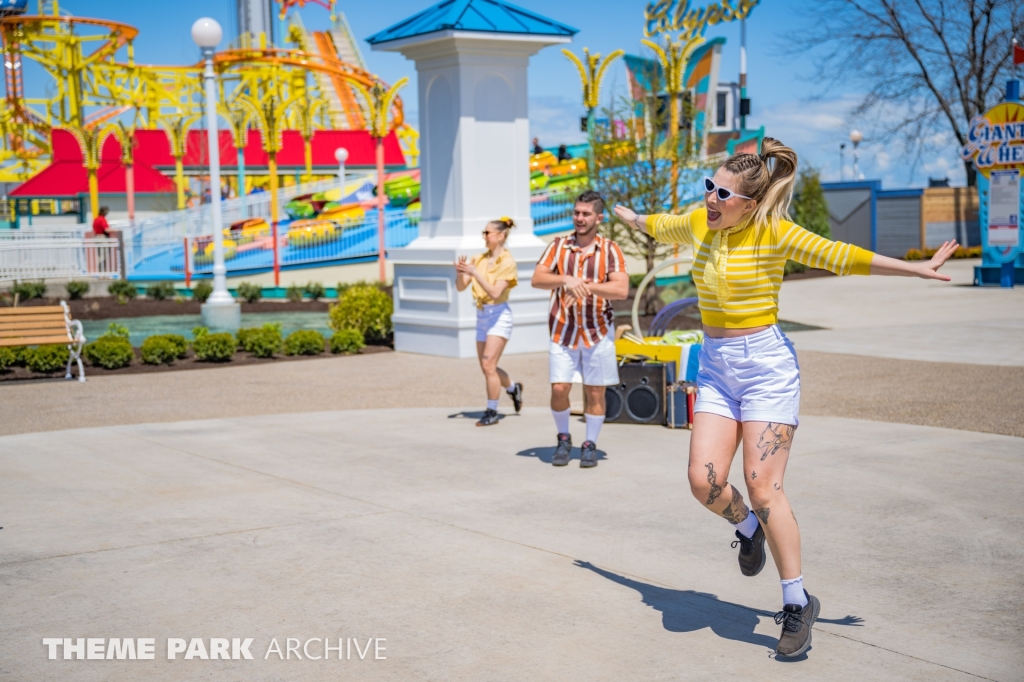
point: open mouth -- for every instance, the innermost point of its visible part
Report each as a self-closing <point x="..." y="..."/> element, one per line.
<point x="713" y="215"/>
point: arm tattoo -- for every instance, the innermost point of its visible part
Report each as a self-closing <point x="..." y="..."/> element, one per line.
<point x="775" y="437"/>
<point x="736" y="512"/>
<point x="763" y="514"/>
<point x="716" y="489"/>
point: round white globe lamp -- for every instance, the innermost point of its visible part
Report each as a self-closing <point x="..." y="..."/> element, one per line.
<point x="341" y="155"/>
<point x="855" y="138"/>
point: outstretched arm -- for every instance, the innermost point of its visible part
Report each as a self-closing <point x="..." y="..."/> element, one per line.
<point x="667" y="229"/>
<point x="883" y="265"/>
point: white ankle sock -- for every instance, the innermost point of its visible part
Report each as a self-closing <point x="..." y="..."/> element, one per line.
<point x="793" y="592"/>
<point x="492" y="405"/>
<point x="747" y="526"/>
<point x="511" y="386"/>
<point x="561" y="420"/>
<point x="594" y="423"/>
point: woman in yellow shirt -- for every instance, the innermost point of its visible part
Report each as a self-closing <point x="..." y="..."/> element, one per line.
<point x="749" y="379"/>
<point x="492" y="275"/>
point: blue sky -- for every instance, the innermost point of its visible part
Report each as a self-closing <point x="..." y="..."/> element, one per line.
<point x="809" y="116"/>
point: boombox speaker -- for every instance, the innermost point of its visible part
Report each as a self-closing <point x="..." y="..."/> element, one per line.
<point x="639" y="397"/>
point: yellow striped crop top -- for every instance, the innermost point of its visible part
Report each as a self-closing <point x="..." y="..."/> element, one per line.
<point x="753" y="265"/>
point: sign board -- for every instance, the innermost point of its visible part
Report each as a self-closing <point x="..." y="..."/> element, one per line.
<point x="1004" y="208"/>
<point x="996" y="139"/>
<point x="664" y="16"/>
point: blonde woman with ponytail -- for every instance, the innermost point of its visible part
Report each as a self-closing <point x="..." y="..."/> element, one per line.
<point x="749" y="379"/>
<point x="492" y="275"/>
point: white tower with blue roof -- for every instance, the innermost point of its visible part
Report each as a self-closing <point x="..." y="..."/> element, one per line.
<point x="471" y="60"/>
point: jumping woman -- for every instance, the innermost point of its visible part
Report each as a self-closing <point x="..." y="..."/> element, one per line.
<point x="492" y="275"/>
<point x="748" y="386"/>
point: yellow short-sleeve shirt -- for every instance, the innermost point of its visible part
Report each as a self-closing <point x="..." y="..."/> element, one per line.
<point x="503" y="268"/>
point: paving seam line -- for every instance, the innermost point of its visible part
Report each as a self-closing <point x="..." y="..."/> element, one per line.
<point x="536" y="548"/>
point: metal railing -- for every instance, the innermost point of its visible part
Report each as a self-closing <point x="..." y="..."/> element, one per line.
<point x="67" y="257"/>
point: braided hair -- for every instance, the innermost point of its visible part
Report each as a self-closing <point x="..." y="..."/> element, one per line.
<point x="767" y="177"/>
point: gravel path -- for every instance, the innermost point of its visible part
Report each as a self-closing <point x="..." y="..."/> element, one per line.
<point x="969" y="397"/>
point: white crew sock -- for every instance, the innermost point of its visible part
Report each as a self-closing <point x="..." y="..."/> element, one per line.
<point x="511" y="386"/>
<point x="492" y="405"/>
<point x="594" y="423"/>
<point x="793" y="592"/>
<point x="561" y="420"/>
<point x="747" y="526"/>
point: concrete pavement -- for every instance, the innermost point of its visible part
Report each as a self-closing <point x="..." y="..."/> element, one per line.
<point x="477" y="560"/>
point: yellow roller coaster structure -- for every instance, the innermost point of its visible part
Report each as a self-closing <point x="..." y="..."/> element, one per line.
<point x="95" y="79"/>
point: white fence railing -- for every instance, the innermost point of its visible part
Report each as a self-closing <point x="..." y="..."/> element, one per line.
<point x="42" y="258"/>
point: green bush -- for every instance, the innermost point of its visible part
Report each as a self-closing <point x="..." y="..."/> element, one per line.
<point x="46" y="358"/>
<point x="250" y="292"/>
<point x="347" y="341"/>
<point x="109" y="351"/>
<point x="345" y="286"/>
<point x="304" y="342"/>
<point x="262" y="342"/>
<point x="218" y="347"/>
<point x="315" y="290"/>
<point x="294" y="293"/>
<point x="161" y="291"/>
<point x="124" y="290"/>
<point x="364" y="308"/>
<point x="7" y="357"/>
<point x="792" y="266"/>
<point x="76" y="289"/>
<point x="199" y="332"/>
<point x="164" y="349"/>
<point x="201" y="291"/>
<point x="29" y="290"/>
<point x="19" y="355"/>
<point x="115" y="329"/>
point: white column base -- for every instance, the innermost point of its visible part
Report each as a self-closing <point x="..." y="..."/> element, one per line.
<point x="222" y="317"/>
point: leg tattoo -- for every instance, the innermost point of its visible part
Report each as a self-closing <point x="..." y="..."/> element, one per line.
<point x="763" y="514"/>
<point x="736" y="512"/>
<point x="716" y="489"/>
<point x="753" y="475"/>
<point x="775" y="437"/>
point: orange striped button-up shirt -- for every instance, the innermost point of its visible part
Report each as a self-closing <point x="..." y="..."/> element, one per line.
<point x="586" y="321"/>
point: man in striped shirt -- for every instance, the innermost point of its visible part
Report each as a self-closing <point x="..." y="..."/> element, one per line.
<point x="584" y="272"/>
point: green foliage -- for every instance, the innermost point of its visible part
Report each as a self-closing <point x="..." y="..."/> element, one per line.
<point x="76" y="289"/>
<point x="315" y="290"/>
<point x="109" y="351"/>
<point x="809" y="208"/>
<point x="792" y="266"/>
<point x="48" y="358"/>
<point x="29" y="290"/>
<point x="164" y="349"/>
<point x="123" y="289"/>
<point x="347" y="341"/>
<point x="161" y="291"/>
<point x="304" y="342"/>
<point x="201" y="291"/>
<point x="218" y="347"/>
<point x="294" y="293"/>
<point x="19" y="355"/>
<point x="199" y="332"/>
<point x="263" y="341"/>
<point x="115" y="329"/>
<point x="364" y="308"/>
<point x="7" y="357"/>
<point x="250" y="292"/>
<point x="634" y="280"/>
<point x="345" y="286"/>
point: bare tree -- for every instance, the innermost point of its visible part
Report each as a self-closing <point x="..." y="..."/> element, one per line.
<point x="928" y="66"/>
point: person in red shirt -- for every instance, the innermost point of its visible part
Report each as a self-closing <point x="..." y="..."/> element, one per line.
<point x="100" y="225"/>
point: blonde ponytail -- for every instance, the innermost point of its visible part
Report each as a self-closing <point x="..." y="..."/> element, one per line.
<point x="768" y="177"/>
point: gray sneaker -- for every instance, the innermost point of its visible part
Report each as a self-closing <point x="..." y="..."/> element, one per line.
<point x="562" y="452"/>
<point x="796" y="625"/>
<point x="752" y="554"/>
<point x="588" y="454"/>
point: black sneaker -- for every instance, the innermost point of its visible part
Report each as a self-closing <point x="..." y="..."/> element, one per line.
<point x="562" y="452"/>
<point x="490" y="418"/>
<point x="796" y="625"/>
<point x="588" y="454"/>
<point x="517" y="396"/>
<point x="752" y="554"/>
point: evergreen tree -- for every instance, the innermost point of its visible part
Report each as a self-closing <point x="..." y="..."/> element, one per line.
<point x="809" y="209"/>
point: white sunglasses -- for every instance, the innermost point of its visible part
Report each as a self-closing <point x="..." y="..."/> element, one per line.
<point x="723" y="192"/>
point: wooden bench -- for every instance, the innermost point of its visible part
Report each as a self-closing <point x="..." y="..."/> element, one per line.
<point x="44" y="324"/>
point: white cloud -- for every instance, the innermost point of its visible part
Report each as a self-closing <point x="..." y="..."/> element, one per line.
<point x="556" y="120"/>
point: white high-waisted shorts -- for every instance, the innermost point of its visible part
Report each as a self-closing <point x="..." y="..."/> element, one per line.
<point x="753" y="378"/>
<point x="594" y="366"/>
<point x="493" y="320"/>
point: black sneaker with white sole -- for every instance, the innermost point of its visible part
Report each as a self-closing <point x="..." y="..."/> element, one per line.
<point x="796" y="622"/>
<point x="563" y="450"/>
<point x="517" y="396"/>
<point x="588" y="454"/>
<point x="489" y="419"/>
<point x="752" y="554"/>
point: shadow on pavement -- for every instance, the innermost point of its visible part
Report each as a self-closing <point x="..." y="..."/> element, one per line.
<point x="477" y="415"/>
<point x="689" y="611"/>
<point x="545" y="454"/>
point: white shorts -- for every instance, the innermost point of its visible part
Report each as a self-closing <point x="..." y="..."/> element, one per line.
<point x="493" y="320"/>
<point x="753" y="378"/>
<point x="594" y="366"/>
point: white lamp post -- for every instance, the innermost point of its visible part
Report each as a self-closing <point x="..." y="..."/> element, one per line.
<point x="220" y="310"/>
<point x="855" y="138"/>
<point x="341" y="154"/>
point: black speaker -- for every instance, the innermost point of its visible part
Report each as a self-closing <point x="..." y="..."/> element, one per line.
<point x="639" y="397"/>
